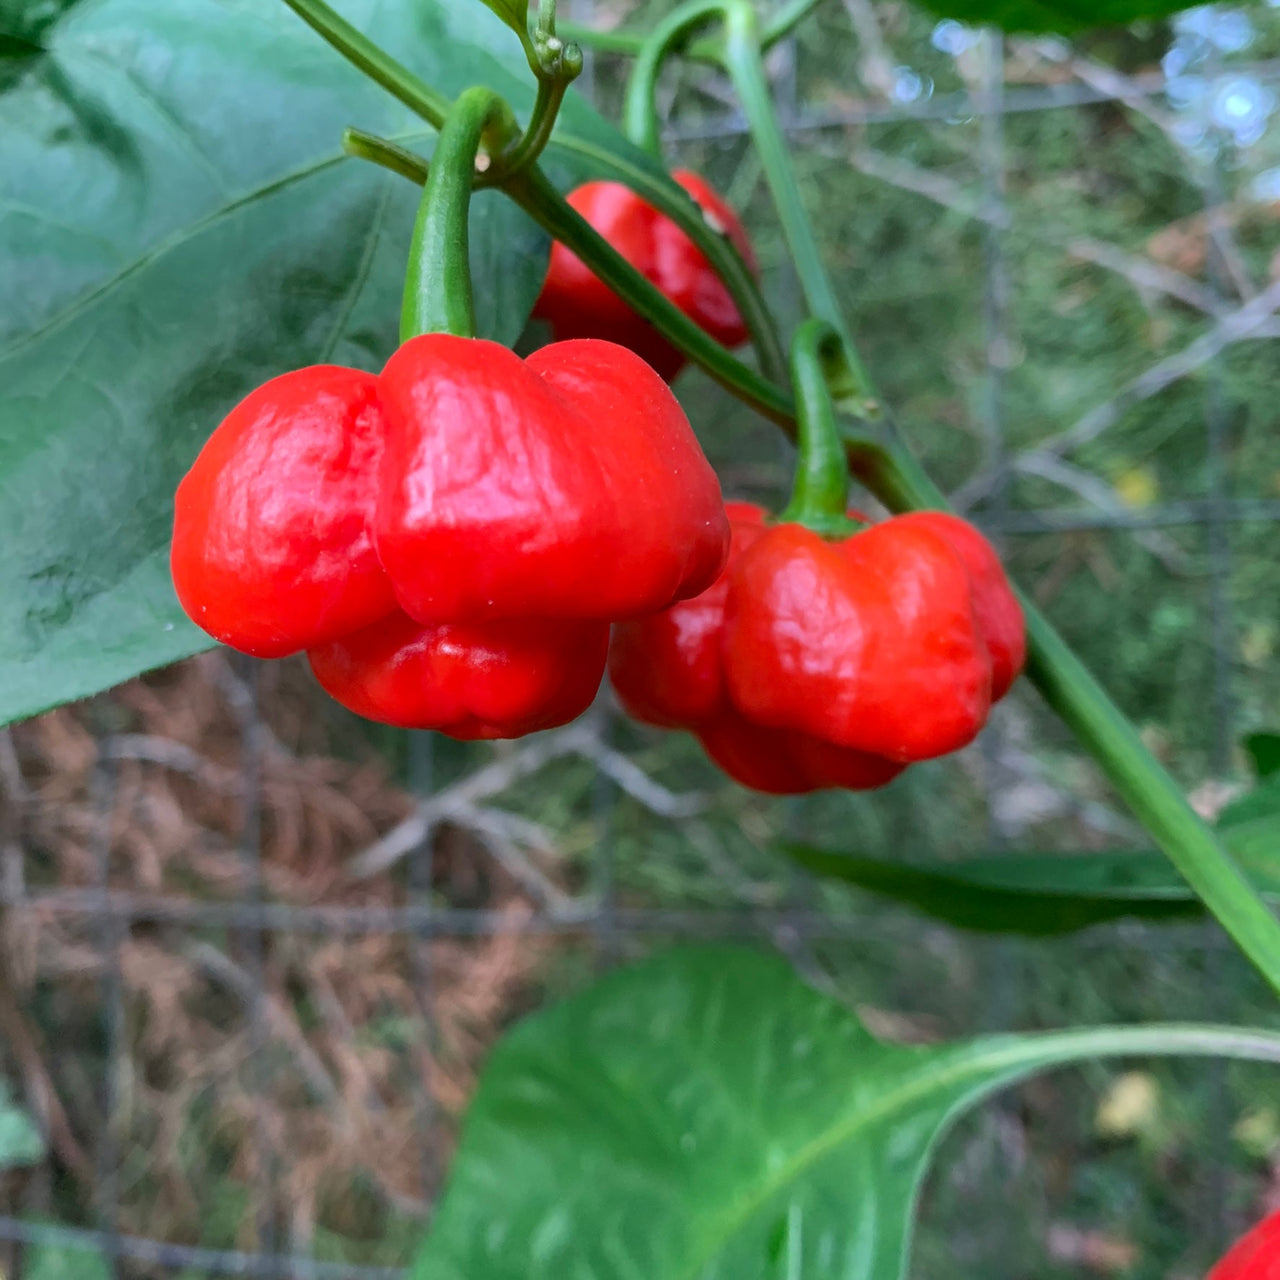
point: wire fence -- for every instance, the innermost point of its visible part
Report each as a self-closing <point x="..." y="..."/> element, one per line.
<point x="233" y="936"/>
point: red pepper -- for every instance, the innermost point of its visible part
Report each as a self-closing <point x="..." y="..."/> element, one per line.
<point x="669" y="670"/>
<point x="814" y="663"/>
<point x="577" y="304"/>
<point x="887" y="641"/>
<point x="1254" y="1257"/>
<point x="512" y="509"/>
<point x="469" y="680"/>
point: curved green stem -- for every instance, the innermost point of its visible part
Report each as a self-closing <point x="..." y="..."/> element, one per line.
<point x="744" y="61"/>
<point x="437" y="285"/>
<point x="379" y="66"/>
<point x="820" y="495"/>
<point x="629" y="45"/>
<point x="898" y="480"/>
<point x="639" y="113"/>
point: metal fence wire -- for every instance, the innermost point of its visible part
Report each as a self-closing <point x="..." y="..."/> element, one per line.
<point x="248" y="978"/>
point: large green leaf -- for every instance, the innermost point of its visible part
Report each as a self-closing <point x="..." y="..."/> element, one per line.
<point x="178" y="224"/>
<point x="1051" y="893"/>
<point x="707" y="1116"/>
<point x="1055" y="15"/>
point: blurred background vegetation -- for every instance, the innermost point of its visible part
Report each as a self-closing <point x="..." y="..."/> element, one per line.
<point x="1061" y="263"/>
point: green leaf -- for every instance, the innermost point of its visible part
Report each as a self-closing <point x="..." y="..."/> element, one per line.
<point x="1063" y="16"/>
<point x="515" y="13"/>
<point x="20" y="1140"/>
<point x="1040" y="894"/>
<point x="1264" y="751"/>
<point x="707" y="1116"/>
<point x="177" y="225"/>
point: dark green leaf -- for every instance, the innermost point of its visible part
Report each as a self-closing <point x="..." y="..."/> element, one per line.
<point x="179" y="225"/>
<point x="707" y="1116"/>
<point x="1063" y="16"/>
<point x="1264" y="751"/>
<point x="1050" y="893"/>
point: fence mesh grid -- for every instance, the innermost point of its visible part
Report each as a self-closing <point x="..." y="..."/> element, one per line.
<point x="230" y="935"/>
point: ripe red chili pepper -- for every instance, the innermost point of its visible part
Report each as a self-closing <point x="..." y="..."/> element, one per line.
<point x="469" y="680"/>
<point x="577" y="304"/>
<point x="1255" y="1256"/>
<point x="814" y="663"/>
<point x="882" y="641"/>
<point x="668" y="669"/>
<point x="512" y="509"/>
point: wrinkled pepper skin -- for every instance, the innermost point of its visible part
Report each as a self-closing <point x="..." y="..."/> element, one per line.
<point x="877" y="642"/>
<point x="450" y="540"/>
<point x="272" y="537"/>
<point x="569" y="485"/>
<point x="815" y="663"/>
<point x="469" y="680"/>
<point x="1255" y="1256"/>
<point x="668" y="670"/>
<point x="577" y="304"/>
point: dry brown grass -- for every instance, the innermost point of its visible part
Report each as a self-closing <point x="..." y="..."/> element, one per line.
<point x="329" y="1085"/>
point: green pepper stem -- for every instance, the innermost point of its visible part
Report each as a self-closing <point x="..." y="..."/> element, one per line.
<point x="437" y="284"/>
<point x="820" y="496"/>
<point x="639" y="110"/>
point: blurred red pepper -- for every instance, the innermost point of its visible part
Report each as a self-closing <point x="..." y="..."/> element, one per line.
<point x="815" y="663"/>
<point x="577" y="304"/>
<point x="1255" y="1256"/>
<point x="511" y="509"/>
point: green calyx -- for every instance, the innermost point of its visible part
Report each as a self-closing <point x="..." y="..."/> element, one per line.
<point x="820" y="494"/>
<point x="437" y="284"/>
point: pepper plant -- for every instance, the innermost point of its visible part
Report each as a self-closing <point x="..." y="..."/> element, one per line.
<point x="723" y="1120"/>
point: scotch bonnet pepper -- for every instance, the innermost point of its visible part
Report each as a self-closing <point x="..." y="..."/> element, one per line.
<point x="577" y="303"/>
<point x="450" y="540"/>
<point x="814" y="663"/>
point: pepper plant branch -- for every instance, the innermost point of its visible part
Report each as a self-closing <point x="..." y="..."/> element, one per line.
<point x="744" y="61"/>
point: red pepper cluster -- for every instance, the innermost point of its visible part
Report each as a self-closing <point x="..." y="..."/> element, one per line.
<point x="450" y="541"/>
<point x="1254" y="1257"/>
<point x="813" y="663"/>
